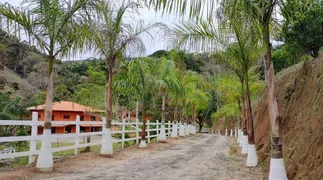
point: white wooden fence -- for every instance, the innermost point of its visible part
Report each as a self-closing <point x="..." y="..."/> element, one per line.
<point x="34" y="137"/>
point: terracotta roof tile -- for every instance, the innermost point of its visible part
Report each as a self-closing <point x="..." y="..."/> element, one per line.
<point x="66" y="106"/>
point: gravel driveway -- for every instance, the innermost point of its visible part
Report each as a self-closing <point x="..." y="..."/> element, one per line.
<point x="197" y="157"/>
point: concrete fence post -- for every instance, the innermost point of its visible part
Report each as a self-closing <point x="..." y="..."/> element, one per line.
<point x="157" y="129"/>
<point x="148" y="131"/>
<point x="137" y="122"/>
<point x="34" y="132"/>
<point x="77" y="133"/>
<point x="123" y="132"/>
<point x="137" y="131"/>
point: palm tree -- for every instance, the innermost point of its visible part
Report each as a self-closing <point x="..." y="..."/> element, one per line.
<point x="112" y="39"/>
<point x="261" y="13"/>
<point x="239" y="53"/>
<point x="137" y="78"/>
<point x="166" y="81"/>
<point x="181" y="96"/>
<point x="57" y="29"/>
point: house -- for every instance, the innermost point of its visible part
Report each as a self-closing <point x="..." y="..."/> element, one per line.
<point x="125" y="115"/>
<point x="67" y="111"/>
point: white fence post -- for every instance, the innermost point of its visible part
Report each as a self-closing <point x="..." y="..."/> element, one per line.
<point x="123" y="132"/>
<point x="157" y="129"/>
<point x="34" y="132"/>
<point x="148" y="131"/>
<point x="77" y="133"/>
<point x="169" y="129"/>
<point x="137" y="130"/>
<point x="137" y="122"/>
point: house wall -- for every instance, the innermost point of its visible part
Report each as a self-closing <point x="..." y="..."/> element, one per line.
<point x="73" y="129"/>
<point x="59" y="116"/>
<point x="59" y="130"/>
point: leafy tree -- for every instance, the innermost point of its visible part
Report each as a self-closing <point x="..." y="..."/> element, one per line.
<point x="137" y="78"/>
<point x="166" y="81"/>
<point x="303" y="27"/>
<point x="159" y="54"/>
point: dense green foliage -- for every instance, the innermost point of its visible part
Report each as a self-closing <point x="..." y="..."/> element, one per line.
<point x="303" y="26"/>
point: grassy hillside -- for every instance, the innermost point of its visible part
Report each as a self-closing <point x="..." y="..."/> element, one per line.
<point x="300" y="92"/>
<point x="15" y="84"/>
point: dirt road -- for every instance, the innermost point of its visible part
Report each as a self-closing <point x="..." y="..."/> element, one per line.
<point x="197" y="157"/>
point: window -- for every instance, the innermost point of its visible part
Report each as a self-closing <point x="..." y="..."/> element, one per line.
<point x="66" y="116"/>
<point x="82" y="129"/>
<point x="68" y="129"/>
<point x="81" y="118"/>
<point x="53" y="117"/>
<point x="39" y="116"/>
<point x="53" y="130"/>
<point x="92" y="118"/>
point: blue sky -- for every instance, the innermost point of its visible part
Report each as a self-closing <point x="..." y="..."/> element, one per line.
<point x="148" y="16"/>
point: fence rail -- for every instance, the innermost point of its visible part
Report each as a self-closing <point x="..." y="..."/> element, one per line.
<point x="34" y="137"/>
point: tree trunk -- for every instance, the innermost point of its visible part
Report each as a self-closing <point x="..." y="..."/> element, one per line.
<point x="163" y="106"/>
<point x="49" y="94"/>
<point x="175" y="112"/>
<point x="239" y="115"/>
<point x="193" y="113"/>
<point x="244" y="120"/>
<point x="276" y="146"/>
<point x="143" y="133"/>
<point x="109" y="93"/>
<point x="251" y="136"/>
<point x="200" y="128"/>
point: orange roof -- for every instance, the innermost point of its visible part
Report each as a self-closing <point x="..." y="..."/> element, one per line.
<point x="66" y="106"/>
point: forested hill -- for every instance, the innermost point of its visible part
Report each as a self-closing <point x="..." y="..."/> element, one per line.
<point x="23" y="76"/>
<point x="18" y="61"/>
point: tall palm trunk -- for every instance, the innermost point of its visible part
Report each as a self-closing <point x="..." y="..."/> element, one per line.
<point x="49" y="94"/>
<point x="109" y="92"/>
<point x="244" y="120"/>
<point x="276" y="146"/>
<point x="193" y="114"/>
<point x="163" y="106"/>
<point x="175" y="112"/>
<point x="45" y="158"/>
<point x="187" y="117"/>
<point x="143" y="133"/>
<point x="251" y="137"/>
<point x="244" y="112"/>
<point x="239" y="115"/>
